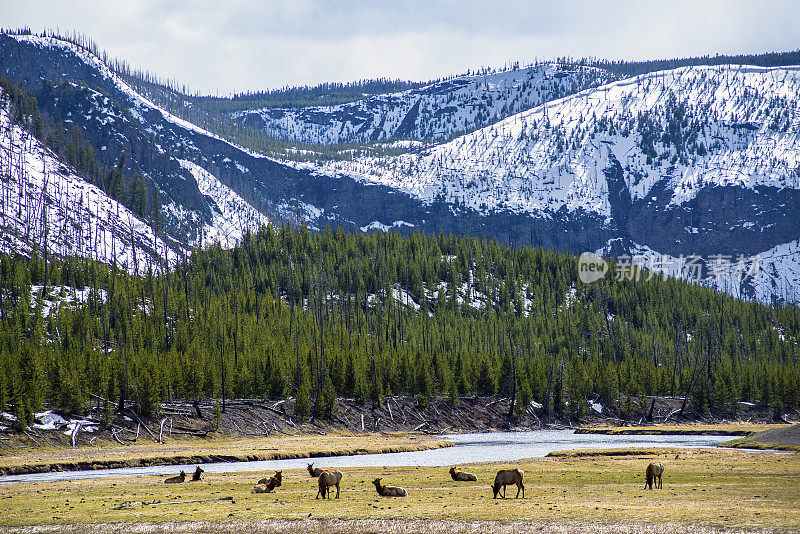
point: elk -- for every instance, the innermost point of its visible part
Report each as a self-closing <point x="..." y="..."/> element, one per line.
<point x="461" y="476"/>
<point x="314" y="471"/>
<point x="273" y="480"/>
<point x="389" y="491"/>
<point x="326" y="480"/>
<point x="264" y="488"/>
<point x="177" y="479"/>
<point x="507" y="477"/>
<point x="198" y="474"/>
<point x="653" y="472"/>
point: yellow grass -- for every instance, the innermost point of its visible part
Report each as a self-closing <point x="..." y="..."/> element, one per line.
<point x="219" y="449"/>
<point x="704" y="488"/>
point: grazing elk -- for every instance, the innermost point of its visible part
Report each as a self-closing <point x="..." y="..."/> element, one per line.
<point x="177" y="479"/>
<point x="275" y="480"/>
<point x="389" y="491"/>
<point x="653" y="472"/>
<point x="314" y="471"/>
<point x="198" y="474"/>
<point x="507" y="477"/>
<point x="326" y="480"/>
<point x="461" y="476"/>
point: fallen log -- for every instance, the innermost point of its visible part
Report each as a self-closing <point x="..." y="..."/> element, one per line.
<point x="142" y="424"/>
<point x="198" y="433"/>
<point x="670" y="414"/>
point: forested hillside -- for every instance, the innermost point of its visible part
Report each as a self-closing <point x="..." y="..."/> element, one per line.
<point x="335" y="313"/>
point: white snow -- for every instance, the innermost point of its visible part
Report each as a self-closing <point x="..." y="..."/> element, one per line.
<point x="444" y="109"/>
<point x="772" y="274"/>
<point x="52" y="421"/>
<point x="60" y="295"/>
<point x="45" y="202"/>
<point x="377" y="225"/>
<point x="49" y="421"/>
<point x="404" y="297"/>
<point x="552" y="157"/>
<point x="233" y="215"/>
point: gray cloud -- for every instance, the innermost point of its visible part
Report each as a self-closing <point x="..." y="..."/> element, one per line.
<point x="252" y="45"/>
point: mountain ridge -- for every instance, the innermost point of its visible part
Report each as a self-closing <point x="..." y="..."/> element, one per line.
<point x="697" y="160"/>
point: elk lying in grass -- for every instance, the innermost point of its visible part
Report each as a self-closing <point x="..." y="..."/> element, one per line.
<point x="177" y="479"/>
<point x="326" y="480"/>
<point x="264" y="488"/>
<point x="653" y="474"/>
<point x="461" y="476"/>
<point x="274" y="480"/>
<point x="507" y="477"/>
<point x="266" y="485"/>
<point x="314" y="471"/>
<point x="389" y="491"/>
<point x="198" y="474"/>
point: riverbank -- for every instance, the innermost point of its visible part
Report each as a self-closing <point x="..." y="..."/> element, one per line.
<point x="786" y="438"/>
<point x="597" y="493"/>
<point x="104" y="455"/>
<point x="689" y="429"/>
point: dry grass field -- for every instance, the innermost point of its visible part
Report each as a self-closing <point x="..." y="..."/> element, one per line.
<point x="705" y="490"/>
<point x="199" y="450"/>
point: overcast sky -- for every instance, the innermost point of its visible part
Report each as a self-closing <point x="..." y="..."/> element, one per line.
<point x="235" y="45"/>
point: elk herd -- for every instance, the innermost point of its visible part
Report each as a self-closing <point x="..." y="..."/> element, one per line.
<point x="330" y="478"/>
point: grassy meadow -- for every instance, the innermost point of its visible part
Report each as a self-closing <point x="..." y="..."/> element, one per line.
<point x="703" y="489"/>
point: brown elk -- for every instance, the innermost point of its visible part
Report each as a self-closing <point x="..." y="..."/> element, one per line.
<point x="389" y="491"/>
<point x="177" y="479"/>
<point x="461" y="476"/>
<point x="314" y="471"/>
<point x="507" y="477"/>
<point x="198" y="474"/>
<point x="264" y="488"/>
<point x="653" y="474"/>
<point x="275" y="480"/>
<point x="326" y="480"/>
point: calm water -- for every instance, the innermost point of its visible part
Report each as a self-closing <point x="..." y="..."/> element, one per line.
<point x="469" y="448"/>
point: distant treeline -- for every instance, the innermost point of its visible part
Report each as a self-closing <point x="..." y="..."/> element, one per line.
<point x="633" y="68"/>
<point x="337" y="313"/>
<point x="324" y="94"/>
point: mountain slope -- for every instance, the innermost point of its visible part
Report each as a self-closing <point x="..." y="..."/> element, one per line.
<point x="44" y="203"/>
<point x="432" y="113"/>
<point x="692" y="161"/>
<point x="74" y="87"/>
<point x="71" y="84"/>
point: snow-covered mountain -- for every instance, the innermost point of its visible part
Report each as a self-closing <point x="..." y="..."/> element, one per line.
<point x="44" y="203"/>
<point x="197" y="206"/>
<point x="694" y="161"/>
<point x="432" y="113"/>
<point x="689" y="129"/>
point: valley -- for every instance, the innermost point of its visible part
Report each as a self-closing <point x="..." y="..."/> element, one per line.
<point x="367" y="267"/>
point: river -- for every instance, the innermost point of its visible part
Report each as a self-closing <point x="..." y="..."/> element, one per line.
<point x="469" y="448"/>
